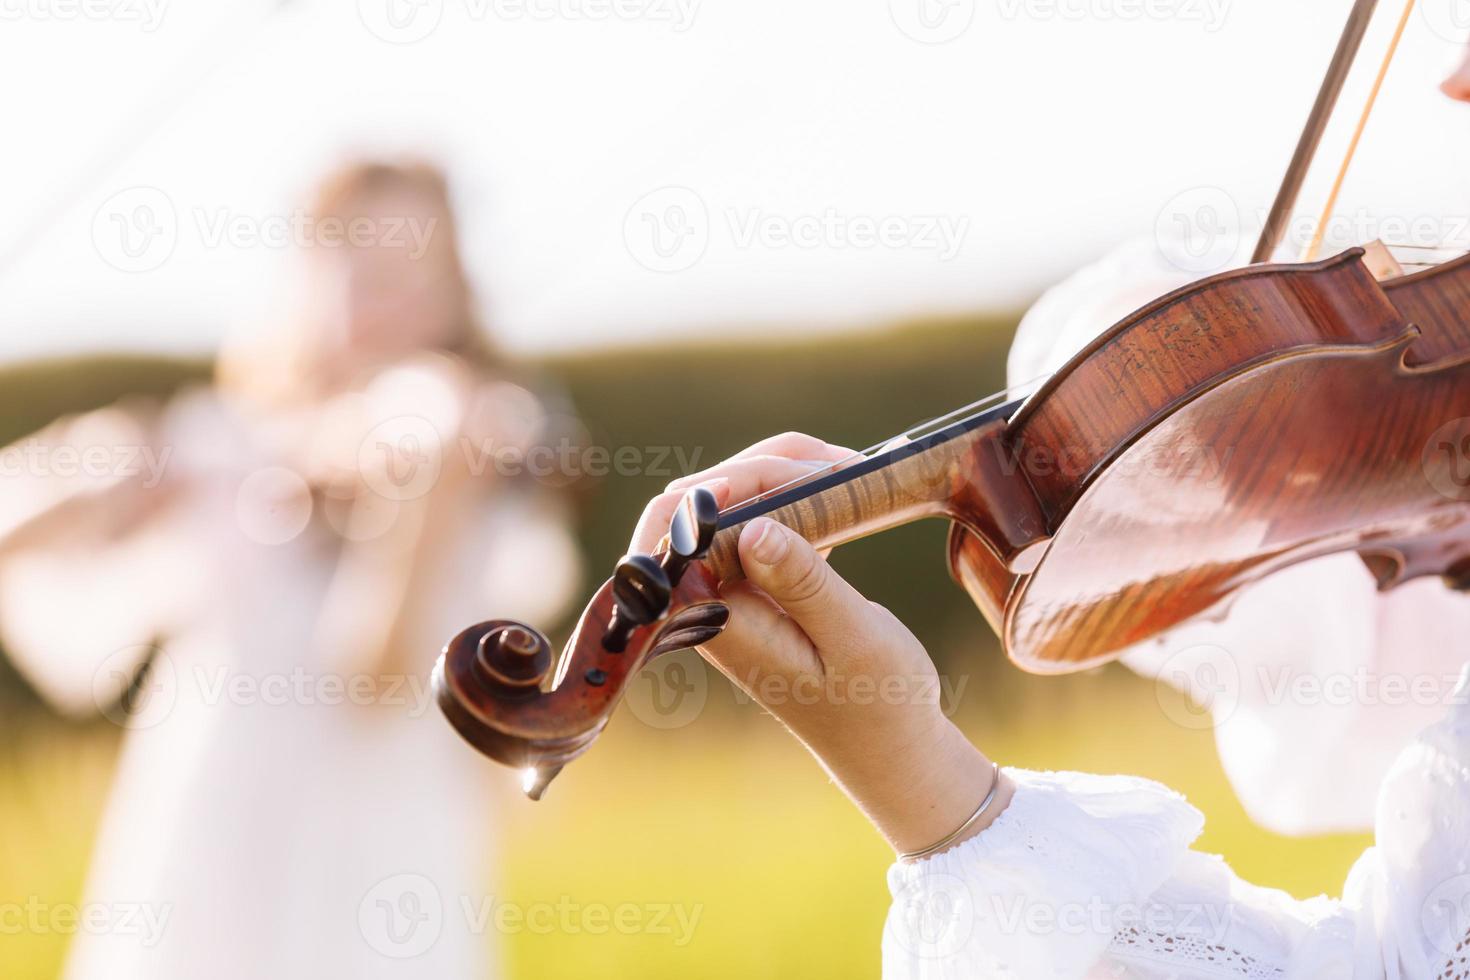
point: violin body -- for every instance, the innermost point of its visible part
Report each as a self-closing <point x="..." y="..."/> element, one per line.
<point x="1246" y="422"/>
<point x="1250" y="421"/>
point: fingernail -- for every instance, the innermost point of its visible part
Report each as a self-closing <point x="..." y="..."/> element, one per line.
<point x="719" y="486"/>
<point x="770" y="543"/>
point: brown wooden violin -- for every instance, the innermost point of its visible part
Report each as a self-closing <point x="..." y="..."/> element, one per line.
<point x="1239" y="425"/>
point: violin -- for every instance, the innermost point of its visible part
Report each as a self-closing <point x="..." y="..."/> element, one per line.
<point x="1239" y="425"/>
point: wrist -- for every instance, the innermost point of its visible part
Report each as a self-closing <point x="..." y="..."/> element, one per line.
<point x="946" y="789"/>
<point x="919" y="786"/>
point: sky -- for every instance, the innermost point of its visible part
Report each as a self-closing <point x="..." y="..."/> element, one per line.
<point x="630" y="171"/>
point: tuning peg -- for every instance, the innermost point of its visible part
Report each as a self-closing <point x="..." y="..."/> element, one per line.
<point x="691" y="532"/>
<point x="641" y="592"/>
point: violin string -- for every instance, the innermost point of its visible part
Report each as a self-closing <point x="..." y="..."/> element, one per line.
<point x="961" y="414"/>
<point x="1426" y="256"/>
<point x="1443" y="247"/>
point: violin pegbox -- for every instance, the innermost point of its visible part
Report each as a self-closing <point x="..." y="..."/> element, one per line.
<point x="642" y="586"/>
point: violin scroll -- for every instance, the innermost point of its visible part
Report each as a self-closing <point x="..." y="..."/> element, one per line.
<point x="498" y="686"/>
<point x="511" y="659"/>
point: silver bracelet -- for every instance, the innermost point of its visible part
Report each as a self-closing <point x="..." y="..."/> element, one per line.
<point x="950" y="838"/>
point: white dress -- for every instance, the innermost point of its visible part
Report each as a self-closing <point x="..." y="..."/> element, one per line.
<point x="1335" y="708"/>
<point x="267" y="819"/>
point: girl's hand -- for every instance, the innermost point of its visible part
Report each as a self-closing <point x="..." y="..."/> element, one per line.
<point x="840" y="672"/>
<point x="1457" y="86"/>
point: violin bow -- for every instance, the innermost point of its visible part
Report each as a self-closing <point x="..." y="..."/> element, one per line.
<point x="1306" y="148"/>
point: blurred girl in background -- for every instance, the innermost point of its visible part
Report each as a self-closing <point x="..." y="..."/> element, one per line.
<point x="270" y="600"/>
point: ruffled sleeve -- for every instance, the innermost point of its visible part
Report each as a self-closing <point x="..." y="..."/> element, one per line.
<point x="1413" y="886"/>
<point x="1085" y="877"/>
<point x="1039" y="892"/>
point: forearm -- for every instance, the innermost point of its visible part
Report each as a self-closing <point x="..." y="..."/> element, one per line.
<point x="917" y="779"/>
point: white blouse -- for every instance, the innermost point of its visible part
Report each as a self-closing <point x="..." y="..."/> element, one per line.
<point x="284" y="806"/>
<point x="1316" y="686"/>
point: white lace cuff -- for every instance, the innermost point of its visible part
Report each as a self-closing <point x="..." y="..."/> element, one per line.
<point x="1041" y="892"/>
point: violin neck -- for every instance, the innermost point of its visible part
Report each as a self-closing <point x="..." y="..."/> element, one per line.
<point x="932" y="476"/>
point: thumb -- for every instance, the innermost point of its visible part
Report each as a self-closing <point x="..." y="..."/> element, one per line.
<point x="789" y="570"/>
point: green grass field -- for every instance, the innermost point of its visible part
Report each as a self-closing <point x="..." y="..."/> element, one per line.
<point x="728" y="819"/>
